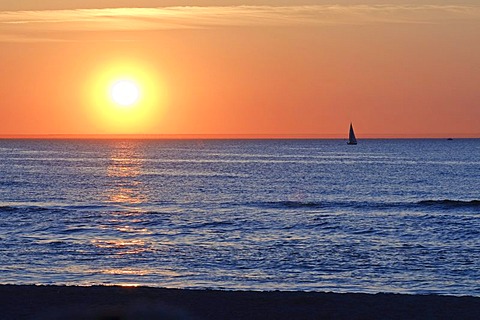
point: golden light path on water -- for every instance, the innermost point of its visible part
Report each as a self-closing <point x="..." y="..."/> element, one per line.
<point x="123" y="171"/>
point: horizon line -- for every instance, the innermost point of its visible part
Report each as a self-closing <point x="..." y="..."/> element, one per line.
<point x="234" y="136"/>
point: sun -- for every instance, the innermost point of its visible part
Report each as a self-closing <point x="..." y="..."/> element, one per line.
<point x="126" y="97"/>
<point x="125" y="92"/>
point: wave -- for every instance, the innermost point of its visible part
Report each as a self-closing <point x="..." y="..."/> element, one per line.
<point x="10" y="208"/>
<point x="174" y="208"/>
<point x="41" y="209"/>
<point x="328" y="204"/>
<point x="319" y="204"/>
<point x="91" y="207"/>
<point x="7" y="208"/>
<point x="292" y="204"/>
<point x="372" y="205"/>
<point x="446" y="203"/>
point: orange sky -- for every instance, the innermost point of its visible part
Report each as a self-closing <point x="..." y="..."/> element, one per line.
<point x="302" y="68"/>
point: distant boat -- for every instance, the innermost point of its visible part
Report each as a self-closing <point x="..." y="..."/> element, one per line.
<point x="351" y="136"/>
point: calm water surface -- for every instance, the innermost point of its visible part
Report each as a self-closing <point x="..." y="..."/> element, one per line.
<point x="383" y="216"/>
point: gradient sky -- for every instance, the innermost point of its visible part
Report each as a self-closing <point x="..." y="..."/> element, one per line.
<point x="242" y="67"/>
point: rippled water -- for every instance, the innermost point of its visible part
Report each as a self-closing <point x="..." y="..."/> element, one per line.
<point x="382" y="216"/>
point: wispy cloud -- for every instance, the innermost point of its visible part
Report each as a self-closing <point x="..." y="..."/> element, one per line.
<point x="33" y="25"/>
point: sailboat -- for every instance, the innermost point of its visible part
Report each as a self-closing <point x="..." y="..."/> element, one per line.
<point x="351" y="136"/>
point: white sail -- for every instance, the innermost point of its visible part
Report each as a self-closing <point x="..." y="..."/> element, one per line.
<point x="351" y="136"/>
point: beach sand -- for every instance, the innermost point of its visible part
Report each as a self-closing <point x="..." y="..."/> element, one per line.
<point x="115" y="303"/>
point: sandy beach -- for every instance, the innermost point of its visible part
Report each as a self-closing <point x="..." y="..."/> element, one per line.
<point x="101" y="302"/>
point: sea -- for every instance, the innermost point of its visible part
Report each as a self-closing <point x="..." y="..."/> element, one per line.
<point x="391" y="215"/>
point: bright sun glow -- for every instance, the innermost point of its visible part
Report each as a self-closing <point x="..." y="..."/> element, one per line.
<point x="126" y="97"/>
<point x="125" y="92"/>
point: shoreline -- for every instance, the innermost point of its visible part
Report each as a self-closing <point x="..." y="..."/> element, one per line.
<point x="49" y="302"/>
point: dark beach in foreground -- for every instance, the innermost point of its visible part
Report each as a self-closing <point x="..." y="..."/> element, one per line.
<point x="99" y="302"/>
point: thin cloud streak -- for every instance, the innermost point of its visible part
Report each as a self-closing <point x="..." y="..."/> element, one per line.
<point x="29" y="25"/>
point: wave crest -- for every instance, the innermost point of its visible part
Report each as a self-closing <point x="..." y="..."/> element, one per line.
<point x="451" y="203"/>
<point x="292" y="204"/>
<point x="366" y="205"/>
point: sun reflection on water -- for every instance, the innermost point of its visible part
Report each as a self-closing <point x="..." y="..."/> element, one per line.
<point x="122" y="246"/>
<point x="123" y="172"/>
<point x="124" y="238"/>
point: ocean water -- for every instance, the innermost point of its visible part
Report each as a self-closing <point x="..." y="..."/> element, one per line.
<point x="398" y="216"/>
